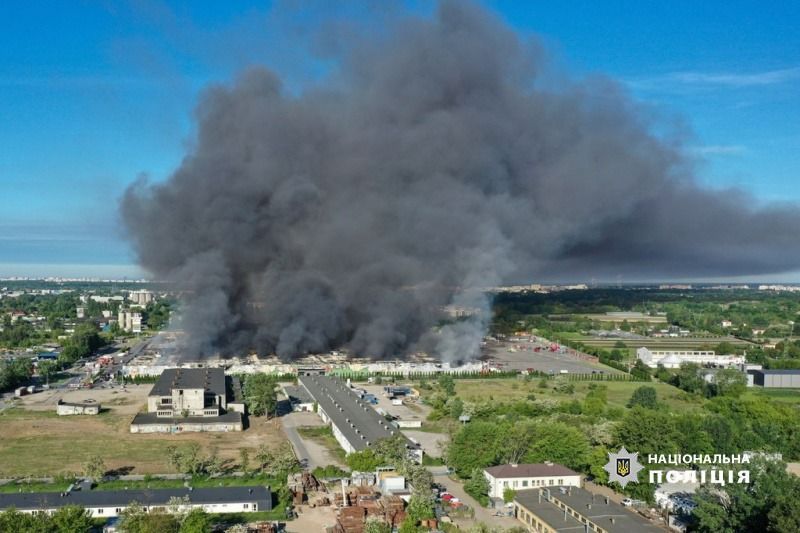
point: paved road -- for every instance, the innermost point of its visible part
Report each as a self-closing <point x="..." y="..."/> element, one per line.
<point x="482" y="514"/>
<point x="307" y="451"/>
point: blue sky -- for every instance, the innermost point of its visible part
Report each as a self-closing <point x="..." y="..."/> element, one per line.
<point x="93" y="93"/>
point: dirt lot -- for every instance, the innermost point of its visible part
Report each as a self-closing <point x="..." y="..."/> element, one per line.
<point x="312" y="519"/>
<point x="35" y="441"/>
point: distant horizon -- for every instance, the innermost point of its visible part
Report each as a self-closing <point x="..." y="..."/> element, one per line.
<point x="132" y="272"/>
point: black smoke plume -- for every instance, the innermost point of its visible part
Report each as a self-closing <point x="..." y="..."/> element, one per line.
<point x="432" y="164"/>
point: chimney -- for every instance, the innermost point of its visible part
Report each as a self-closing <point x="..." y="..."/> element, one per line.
<point x="514" y="465"/>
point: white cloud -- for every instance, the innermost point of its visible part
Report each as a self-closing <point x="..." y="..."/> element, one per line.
<point x="683" y="80"/>
<point x="718" y="149"/>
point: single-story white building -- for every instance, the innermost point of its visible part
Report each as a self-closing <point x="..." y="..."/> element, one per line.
<point x="529" y="476"/>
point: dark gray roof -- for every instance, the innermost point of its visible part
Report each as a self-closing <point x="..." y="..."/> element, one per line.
<point x="530" y="470"/>
<point x="211" y="379"/>
<point x="297" y="394"/>
<point x="120" y="498"/>
<point x="606" y="514"/>
<point x="546" y="511"/>
<point x="780" y="371"/>
<point x="230" y="417"/>
<point x="354" y="418"/>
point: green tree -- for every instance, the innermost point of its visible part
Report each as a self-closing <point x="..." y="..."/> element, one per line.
<point x="560" y="443"/>
<point x="447" y="383"/>
<point x="475" y="445"/>
<point x="196" y="521"/>
<point x="376" y="525"/>
<point x="13" y="520"/>
<point x="477" y="486"/>
<point x="364" y="461"/>
<point x="260" y="394"/>
<point x="94" y="467"/>
<point x="730" y="382"/>
<point x="645" y="397"/>
<point x="136" y="519"/>
<point x="244" y="459"/>
<point x="72" y="519"/>
<point x="509" y="494"/>
<point x="47" y="369"/>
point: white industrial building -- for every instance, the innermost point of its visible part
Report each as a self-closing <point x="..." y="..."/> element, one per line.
<point x="674" y="359"/>
<point x="112" y="503"/>
<point x="354" y="423"/>
<point x="529" y="476"/>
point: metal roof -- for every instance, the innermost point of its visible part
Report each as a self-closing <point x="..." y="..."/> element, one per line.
<point x="361" y="425"/>
<point x="605" y="513"/>
<point x="229" y="417"/>
<point x="210" y="379"/>
<point x="121" y="498"/>
<point x="530" y="470"/>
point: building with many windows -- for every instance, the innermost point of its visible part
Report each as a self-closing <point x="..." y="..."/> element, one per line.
<point x="528" y="476"/>
<point x="571" y="509"/>
<point x="192" y="399"/>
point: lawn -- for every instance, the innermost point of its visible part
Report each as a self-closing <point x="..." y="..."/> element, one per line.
<point x="40" y="443"/>
<point x="790" y="396"/>
<point x="619" y="392"/>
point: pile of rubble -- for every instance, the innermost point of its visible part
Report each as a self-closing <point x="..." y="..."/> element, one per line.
<point x="360" y="503"/>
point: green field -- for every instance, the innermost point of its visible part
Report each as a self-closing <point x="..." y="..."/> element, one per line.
<point x="791" y="396"/>
<point x="619" y="392"/>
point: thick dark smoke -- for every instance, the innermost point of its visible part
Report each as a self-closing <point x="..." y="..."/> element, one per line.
<point x="431" y="165"/>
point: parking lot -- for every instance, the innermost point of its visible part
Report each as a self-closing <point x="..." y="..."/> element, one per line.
<point x="522" y="356"/>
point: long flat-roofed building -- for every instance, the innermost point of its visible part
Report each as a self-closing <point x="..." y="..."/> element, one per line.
<point x="555" y="509"/>
<point x="355" y="424"/>
<point x="111" y="503"/>
<point x="675" y="358"/>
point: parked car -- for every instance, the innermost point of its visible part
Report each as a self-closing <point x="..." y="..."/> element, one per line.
<point x="627" y="502"/>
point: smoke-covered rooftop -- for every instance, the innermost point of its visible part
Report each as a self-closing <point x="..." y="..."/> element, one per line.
<point x="433" y="162"/>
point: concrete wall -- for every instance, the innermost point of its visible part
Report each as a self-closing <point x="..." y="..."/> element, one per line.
<point x="224" y="427"/>
<point x="66" y="410"/>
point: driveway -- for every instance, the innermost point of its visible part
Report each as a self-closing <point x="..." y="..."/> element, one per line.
<point x="482" y="514"/>
<point x="308" y="452"/>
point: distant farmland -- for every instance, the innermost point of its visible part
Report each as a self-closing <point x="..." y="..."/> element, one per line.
<point x="673" y="343"/>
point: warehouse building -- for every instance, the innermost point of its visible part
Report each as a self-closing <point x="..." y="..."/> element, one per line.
<point x="554" y="509"/>
<point x="111" y="503"/>
<point x="776" y="379"/>
<point x="675" y="358"/>
<point x="355" y="424"/>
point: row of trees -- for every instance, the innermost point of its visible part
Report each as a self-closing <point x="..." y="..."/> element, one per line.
<point x="67" y="519"/>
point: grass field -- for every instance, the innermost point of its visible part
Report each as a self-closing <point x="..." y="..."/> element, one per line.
<point x="790" y="396"/>
<point x="34" y="441"/>
<point x="619" y="392"/>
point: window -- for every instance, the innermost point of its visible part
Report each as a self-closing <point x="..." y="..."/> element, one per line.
<point x="560" y="481"/>
<point x="550" y="482"/>
<point x="246" y="506"/>
<point x="118" y="510"/>
<point x="524" y="482"/>
<point x="100" y="511"/>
